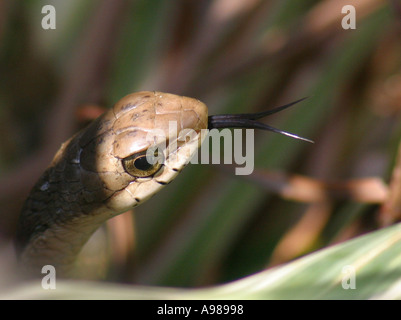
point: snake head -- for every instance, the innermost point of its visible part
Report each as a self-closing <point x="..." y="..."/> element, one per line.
<point x="144" y="141"/>
<point x="139" y="146"/>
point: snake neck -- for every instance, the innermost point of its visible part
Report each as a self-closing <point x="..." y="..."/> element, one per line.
<point x="59" y="215"/>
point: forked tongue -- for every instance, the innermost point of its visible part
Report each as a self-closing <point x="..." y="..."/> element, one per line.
<point x="247" y="121"/>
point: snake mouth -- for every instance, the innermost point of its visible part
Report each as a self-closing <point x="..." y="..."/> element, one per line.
<point x="247" y="121"/>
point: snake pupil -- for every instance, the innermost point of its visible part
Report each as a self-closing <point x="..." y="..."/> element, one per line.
<point x="142" y="164"/>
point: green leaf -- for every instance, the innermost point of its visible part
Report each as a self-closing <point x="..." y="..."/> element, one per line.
<point x="375" y="257"/>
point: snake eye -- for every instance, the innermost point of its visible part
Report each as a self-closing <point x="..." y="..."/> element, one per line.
<point x="144" y="164"/>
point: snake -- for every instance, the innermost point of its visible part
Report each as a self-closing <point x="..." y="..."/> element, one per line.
<point x="105" y="170"/>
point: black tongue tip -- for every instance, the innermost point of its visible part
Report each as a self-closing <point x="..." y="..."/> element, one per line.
<point x="247" y="121"/>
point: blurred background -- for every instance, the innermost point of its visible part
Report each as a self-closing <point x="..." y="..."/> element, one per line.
<point x="210" y="226"/>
